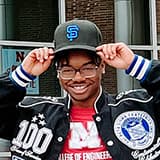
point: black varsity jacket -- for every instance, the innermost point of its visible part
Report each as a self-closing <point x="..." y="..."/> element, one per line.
<point x="128" y="122"/>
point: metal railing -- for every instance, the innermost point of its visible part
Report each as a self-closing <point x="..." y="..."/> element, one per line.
<point x="5" y="154"/>
<point x="26" y="44"/>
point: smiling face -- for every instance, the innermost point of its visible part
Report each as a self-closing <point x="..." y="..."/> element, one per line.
<point x="83" y="91"/>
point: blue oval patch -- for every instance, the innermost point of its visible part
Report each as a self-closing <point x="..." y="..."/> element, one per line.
<point x="136" y="129"/>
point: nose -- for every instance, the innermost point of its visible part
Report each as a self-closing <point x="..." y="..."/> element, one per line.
<point x="78" y="76"/>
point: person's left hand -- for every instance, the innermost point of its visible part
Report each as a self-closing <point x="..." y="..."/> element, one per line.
<point x="117" y="55"/>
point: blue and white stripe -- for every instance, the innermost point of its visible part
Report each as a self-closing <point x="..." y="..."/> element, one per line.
<point x="139" y="68"/>
<point x="21" y="77"/>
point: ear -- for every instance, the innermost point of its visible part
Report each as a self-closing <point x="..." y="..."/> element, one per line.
<point x="103" y="68"/>
<point x="57" y="74"/>
<point x="104" y="71"/>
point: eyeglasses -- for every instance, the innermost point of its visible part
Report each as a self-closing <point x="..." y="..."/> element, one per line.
<point x="68" y="72"/>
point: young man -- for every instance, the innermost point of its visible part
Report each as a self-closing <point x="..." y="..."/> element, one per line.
<point x="88" y="124"/>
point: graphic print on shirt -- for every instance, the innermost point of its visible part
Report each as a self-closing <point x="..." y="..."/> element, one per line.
<point x="82" y="137"/>
<point x="33" y="138"/>
<point x="83" y="141"/>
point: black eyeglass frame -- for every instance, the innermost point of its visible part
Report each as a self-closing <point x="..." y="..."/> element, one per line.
<point x="80" y="70"/>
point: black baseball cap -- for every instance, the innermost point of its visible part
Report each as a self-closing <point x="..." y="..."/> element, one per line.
<point x="77" y="34"/>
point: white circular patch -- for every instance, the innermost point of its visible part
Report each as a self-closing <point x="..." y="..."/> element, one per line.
<point x="136" y="129"/>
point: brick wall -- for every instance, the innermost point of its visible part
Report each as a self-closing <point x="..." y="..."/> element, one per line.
<point x="158" y="15"/>
<point x="36" y="20"/>
<point x="102" y="13"/>
<point x="158" y="23"/>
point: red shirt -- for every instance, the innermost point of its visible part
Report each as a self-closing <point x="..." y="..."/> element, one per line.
<point x="83" y="141"/>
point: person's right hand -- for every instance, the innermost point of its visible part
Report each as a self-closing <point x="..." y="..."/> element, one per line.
<point x="38" y="60"/>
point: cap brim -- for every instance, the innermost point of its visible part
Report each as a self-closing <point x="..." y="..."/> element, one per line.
<point x="73" y="47"/>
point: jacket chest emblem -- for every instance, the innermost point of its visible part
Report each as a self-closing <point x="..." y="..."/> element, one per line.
<point x="33" y="138"/>
<point x="136" y="129"/>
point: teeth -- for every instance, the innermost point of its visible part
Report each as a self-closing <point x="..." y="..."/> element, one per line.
<point x="79" y="87"/>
